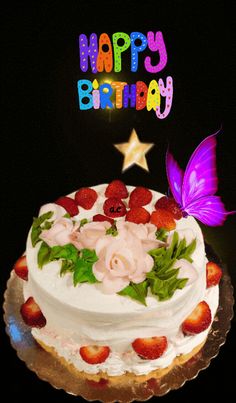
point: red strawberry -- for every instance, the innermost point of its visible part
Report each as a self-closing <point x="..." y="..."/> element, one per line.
<point x="193" y="360"/>
<point x="69" y="205"/>
<point x="213" y="273"/>
<point x="86" y="197"/>
<point x="94" y="354"/>
<point x="117" y="189"/>
<point x="101" y="384"/>
<point x="163" y="219"/>
<point x="153" y="384"/>
<point x="114" y="207"/>
<point x="101" y="217"/>
<point x="198" y="320"/>
<point x="21" y="268"/>
<point x="138" y="215"/>
<point x="169" y="204"/>
<point x="31" y="314"/>
<point x="139" y="197"/>
<point x="150" y="348"/>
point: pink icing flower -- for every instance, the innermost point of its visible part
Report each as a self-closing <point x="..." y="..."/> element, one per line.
<point x="90" y="233"/>
<point x="64" y="231"/>
<point x="145" y="232"/>
<point x="60" y="232"/>
<point x="121" y="259"/>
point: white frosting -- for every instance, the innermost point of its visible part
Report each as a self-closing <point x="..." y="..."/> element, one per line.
<point x="120" y="362"/>
<point x="84" y="315"/>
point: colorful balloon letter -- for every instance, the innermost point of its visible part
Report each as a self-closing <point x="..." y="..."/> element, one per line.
<point x="88" y="51"/>
<point x="118" y="48"/>
<point x="105" y="94"/>
<point x="105" y="54"/>
<point x="135" y="49"/>
<point x="153" y="98"/>
<point x="156" y="44"/>
<point x="166" y="92"/>
<point x="84" y="91"/>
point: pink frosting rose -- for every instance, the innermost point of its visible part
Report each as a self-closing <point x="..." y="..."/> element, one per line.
<point x="64" y="231"/>
<point x="146" y="233"/>
<point x="90" y="233"/>
<point x="121" y="259"/>
<point x="60" y="232"/>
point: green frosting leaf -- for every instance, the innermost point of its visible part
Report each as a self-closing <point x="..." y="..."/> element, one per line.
<point x="39" y="220"/>
<point x="79" y="263"/>
<point x="47" y="225"/>
<point x="136" y="291"/>
<point x="187" y="251"/>
<point x="163" y="279"/>
<point x="37" y="226"/>
<point x="161" y="234"/>
<point x="83" y="222"/>
<point x="83" y="272"/>
<point x="68" y="252"/>
<point x="43" y="254"/>
<point x="112" y="230"/>
<point x="35" y="232"/>
<point x="66" y="266"/>
<point x="89" y="255"/>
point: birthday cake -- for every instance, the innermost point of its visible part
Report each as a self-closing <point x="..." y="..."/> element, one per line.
<point x="117" y="281"/>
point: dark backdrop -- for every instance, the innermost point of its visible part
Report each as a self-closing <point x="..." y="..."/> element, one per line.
<point x="50" y="147"/>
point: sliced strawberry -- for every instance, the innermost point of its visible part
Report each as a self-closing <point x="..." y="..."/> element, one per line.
<point x="31" y="314"/>
<point x="153" y="383"/>
<point x="117" y="189"/>
<point x="101" y="384"/>
<point x="94" y="354"/>
<point x="150" y="348"/>
<point x="169" y="204"/>
<point x="69" y="205"/>
<point x="114" y="207"/>
<point x="163" y="219"/>
<point x="86" y="197"/>
<point x="21" y="268"/>
<point x="193" y="360"/>
<point x="199" y="320"/>
<point x="213" y="273"/>
<point x="139" y="197"/>
<point x="138" y="215"/>
<point x="101" y="217"/>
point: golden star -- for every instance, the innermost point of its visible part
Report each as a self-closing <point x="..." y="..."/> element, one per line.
<point x="134" y="152"/>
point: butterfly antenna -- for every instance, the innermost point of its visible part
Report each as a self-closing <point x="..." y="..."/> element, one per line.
<point x="218" y="131"/>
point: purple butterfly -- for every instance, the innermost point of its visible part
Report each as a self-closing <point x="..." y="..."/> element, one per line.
<point x="195" y="188"/>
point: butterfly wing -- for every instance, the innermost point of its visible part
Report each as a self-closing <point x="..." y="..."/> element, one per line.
<point x="200" y="178"/>
<point x="175" y="177"/>
<point x="194" y="190"/>
<point x="209" y="210"/>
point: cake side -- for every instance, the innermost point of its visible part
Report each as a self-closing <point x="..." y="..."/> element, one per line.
<point x="84" y="315"/>
<point x="126" y="361"/>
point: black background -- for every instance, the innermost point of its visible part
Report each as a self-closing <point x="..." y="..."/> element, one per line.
<point x="50" y="147"/>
